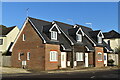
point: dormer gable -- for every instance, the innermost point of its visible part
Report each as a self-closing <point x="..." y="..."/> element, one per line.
<point x="55" y="28"/>
<point x="79" y="35"/>
<point x="54" y="31"/>
<point x="100" y="34"/>
<point x="100" y="37"/>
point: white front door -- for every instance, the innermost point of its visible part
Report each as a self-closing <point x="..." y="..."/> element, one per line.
<point x="63" y="59"/>
<point x="86" y="59"/>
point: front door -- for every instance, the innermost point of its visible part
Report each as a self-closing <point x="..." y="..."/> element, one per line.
<point x="86" y="59"/>
<point x="63" y="59"/>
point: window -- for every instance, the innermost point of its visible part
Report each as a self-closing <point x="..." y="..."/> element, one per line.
<point x="99" y="56"/>
<point x="105" y="57"/>
<point x="79" y="56"/>
<point x="24" y="37"/>
<point x="79" y="37"/>
<point x="1" y="41"/>
<point x="28" y="55"/>
<point x="19" y="54"/>
<point x="108" y="42"/>
<point x="54" y="35"/>
<point x="99" y="39"/>
<point x="53" y="55"/>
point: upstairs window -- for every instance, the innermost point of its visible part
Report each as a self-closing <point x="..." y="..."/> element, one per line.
<point x="53" y="35"/>
<point x="1" y="41"/>
<point x="24" y="37"/>
<point x="79" y="38"/>
<point x="100" y="40"/>
<point x="79" y="56"/>
<point x="53" y="55"/>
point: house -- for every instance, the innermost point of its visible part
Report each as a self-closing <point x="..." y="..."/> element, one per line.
<point x="113" y="39"/>
<point x="47" y="45"/>
<point x="7" y="37"/>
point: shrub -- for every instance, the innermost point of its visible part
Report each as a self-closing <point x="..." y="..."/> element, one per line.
<point x="110" y="62"/>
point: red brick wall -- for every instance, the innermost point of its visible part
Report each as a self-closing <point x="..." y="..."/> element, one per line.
<point x="90" y="58"/>
<point x="32" y="44"/>
<point x="99" y="63"/>
<point x="48" y="64"/>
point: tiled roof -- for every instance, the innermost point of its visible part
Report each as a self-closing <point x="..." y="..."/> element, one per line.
<point x="67" y="30"/>
<point x="111" y="34"/>
<point x="5" y="30"/>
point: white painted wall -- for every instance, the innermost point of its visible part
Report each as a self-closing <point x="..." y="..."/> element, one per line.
<point x="114" y="43"/>
<point x="10" y="37"/>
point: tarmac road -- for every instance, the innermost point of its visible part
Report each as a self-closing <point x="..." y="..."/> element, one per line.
<point x="111" y="74"/>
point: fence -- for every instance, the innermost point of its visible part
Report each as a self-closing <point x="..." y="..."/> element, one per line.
<point x="6" y="61"/>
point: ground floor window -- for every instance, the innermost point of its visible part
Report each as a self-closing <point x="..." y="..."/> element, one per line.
<point x="104" y="57"/>
<point x="28" y="55"/>
<point x="99" y="56"/>
<point x="79" y="56"/>
<point x="53" y="55"/>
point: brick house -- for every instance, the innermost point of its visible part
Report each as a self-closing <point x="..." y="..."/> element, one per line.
<point x="47" y="45"/>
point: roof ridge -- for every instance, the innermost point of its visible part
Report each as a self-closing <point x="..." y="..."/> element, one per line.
<point x="39" y="19"/>
<point x="83" y="26"/>
<point x="11" y="27"/>
<point x="64" y="23"/>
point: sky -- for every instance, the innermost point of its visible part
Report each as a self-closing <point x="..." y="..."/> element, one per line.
<point x="102" y="15"/>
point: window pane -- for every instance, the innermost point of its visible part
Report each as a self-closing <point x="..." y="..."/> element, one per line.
<point x="24" y="37"/>
<point x="79" y="37"/>
<point x="28" y="56"/>
<point x="54" y="35"/>
<point x="99" y="56"/>
<point x="99" y="39"/>
<point x="53" y="56"/>
<point x="1" y="41"/>
<point x="79" y="56"/>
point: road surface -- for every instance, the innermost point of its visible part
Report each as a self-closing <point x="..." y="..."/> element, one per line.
<point x="113" y="74"/>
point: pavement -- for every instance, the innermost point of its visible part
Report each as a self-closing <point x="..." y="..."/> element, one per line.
<point x="10" y="70"/>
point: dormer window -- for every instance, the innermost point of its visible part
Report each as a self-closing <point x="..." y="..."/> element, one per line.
<point x="100" y="36"/>
<point x="100" y="40"/>
<point x="79" y="38"/>
<point x="53" y="35"/>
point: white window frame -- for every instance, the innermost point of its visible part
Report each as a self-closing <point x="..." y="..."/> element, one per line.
<point x="53" y="56"/>
<point x="28" y="55"/>
<point x="79" y="56"/>
<point x="19" y="54"/>
<point x="24" y="37"/>
<point x="100" y="40"/>
<point x="101" y="56"/>
<point x="54" y="35"/>
<point x="79" y="37"/>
